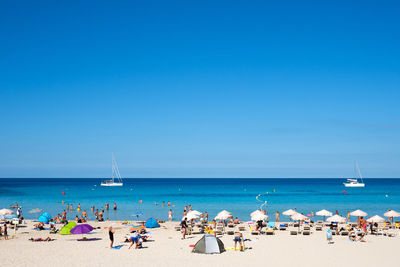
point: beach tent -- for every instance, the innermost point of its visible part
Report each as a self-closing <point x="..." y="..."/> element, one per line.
<point x="44" y="219"/>
<point x="66" y="230"/>
<point x="209" y="244"/>
<point x="152" y="223"/>
<point x="47" y="215"/>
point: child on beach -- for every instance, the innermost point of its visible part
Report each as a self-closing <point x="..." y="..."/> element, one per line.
<point x="329" y="235"/>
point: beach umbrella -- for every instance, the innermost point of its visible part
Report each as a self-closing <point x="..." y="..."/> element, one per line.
<point x="256" y="212"/>
<point x="289" y="212"/>
<point x="323" y="213"/>
<point x="223" y="215"/>
<point x="376" y="219"/>
<point x="259" y="217"/>
<point x="6" y="211"/>
<point x="66" y="230"/>
<point x="358" y="213"/>
<point x="81" y="229"/>
<point x="392" y="213"/>
<point x="194" y="212"/>
<point x="191" y="216"/>
<point x="336" y="218"/>
<point x="298" y="217"/>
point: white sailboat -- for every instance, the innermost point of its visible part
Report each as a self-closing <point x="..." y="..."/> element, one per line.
<point x="355" y="182"/>
<point x="115" y="175"/>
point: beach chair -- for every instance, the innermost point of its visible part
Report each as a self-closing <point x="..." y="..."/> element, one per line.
<point x="242" y="228"/>
<point x="231" y="225"/>
<point x="293" y="232"/>
<point x="318" y="228"/>
<point x="270" y="231"/>
<point x="282" y="227"/>
<point x="344" y="233"/>
<point x="306" y="232"/>
<point x="230" y="232"/>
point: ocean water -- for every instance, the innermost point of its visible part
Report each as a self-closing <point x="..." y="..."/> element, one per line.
<point x="239" y="196"/>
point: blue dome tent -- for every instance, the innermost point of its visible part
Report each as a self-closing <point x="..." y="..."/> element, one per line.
<point x="152" y="223"/>
<point x="44" y="219"/>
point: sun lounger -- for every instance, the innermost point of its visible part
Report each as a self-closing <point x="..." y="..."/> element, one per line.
<point x="255" y="232"/>
<point x="231" y="225"/>
<point x="344" y="233"/>
<point x="230" y="232"/>
<point x="269" y="231"/>
<point x="293" y="232"/>
<point x="306" y="232"/>
<point x="318" y="228"/>
<point x="242" y="228"/>
<point x="282" y="227"/>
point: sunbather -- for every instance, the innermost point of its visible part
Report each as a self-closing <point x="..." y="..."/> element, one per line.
<point x="41" y="239"/>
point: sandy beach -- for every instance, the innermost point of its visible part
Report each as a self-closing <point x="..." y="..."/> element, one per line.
<point x="166" y="248"/>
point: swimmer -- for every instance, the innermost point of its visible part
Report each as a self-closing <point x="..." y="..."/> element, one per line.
<point x="140" y="201"/>
<point x="115" y="206"/>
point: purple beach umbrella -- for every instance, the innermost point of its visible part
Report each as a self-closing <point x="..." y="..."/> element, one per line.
<point x="81" y="229"/>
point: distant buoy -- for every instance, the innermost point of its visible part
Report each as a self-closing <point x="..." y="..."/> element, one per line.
<point x="386" y="195"/>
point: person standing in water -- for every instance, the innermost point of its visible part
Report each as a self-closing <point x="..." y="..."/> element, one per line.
<point x="277" y="216"/>
<point x="71" y="208"/>
<point x="170" y="215"/>
<point x="115" y="206"/>
<point x="111" y="234"/>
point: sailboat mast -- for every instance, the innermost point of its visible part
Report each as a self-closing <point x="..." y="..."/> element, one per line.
<point x="112" y="168"/>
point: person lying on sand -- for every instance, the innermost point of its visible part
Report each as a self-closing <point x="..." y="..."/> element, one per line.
<point x="41" y="239"/>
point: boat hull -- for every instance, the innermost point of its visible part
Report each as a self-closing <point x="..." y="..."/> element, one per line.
<point x="111" y="184"/>
<point x="354" y="185"/>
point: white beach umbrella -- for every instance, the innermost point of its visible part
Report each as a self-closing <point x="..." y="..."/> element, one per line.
<point x="392" y="213"/>
<point x="298" y="217"/>
<point x="6" y="212"/>
<point x="289" y="212"/>
<point x="376" y="219"/>
<point x="191" y="216"/>
<point x="194" y="212"/>
<point x="223" y="215"/>
<point x="259" y="217"/>
<point x="358" y="213"/>
<point x="323" y="213"/>
<point x="336" y="218"/>
<point x="256" y="212"/>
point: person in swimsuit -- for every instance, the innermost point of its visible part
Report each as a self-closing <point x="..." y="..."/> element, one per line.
<point x="5" y="232"/>
<point x="115" y="206"/>
<point x="239" y="239"/>
<point x="135" y="240"/>
<point x="184" y="227"/>
<point x="170" y="215"/>
<point x="111" y="234"/>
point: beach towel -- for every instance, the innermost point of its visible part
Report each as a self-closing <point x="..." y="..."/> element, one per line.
<point x="117" y="247"/>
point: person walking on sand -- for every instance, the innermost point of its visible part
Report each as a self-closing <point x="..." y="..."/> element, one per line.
<point x="5" y="232"/>
<point x="170" y="215"/>
<point x="111" y="234"/>
<point x="184" y="227"/>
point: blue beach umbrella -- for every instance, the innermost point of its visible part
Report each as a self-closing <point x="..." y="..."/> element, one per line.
<point x="43" y="219"/>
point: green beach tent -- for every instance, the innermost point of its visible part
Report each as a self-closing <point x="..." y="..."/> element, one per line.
<point x="66" y="230"/>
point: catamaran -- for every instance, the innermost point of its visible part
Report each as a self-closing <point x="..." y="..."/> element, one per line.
<point x="355" y="182"/>
<point x="115" y="175"/>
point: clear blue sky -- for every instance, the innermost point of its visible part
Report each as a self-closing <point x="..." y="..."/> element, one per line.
<point x="199" y="88"/>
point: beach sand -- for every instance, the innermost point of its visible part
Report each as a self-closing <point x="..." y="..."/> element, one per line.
<point x="167" y="249"/>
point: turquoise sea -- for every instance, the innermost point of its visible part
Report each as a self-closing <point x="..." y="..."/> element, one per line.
<point x="238" y="196"/>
